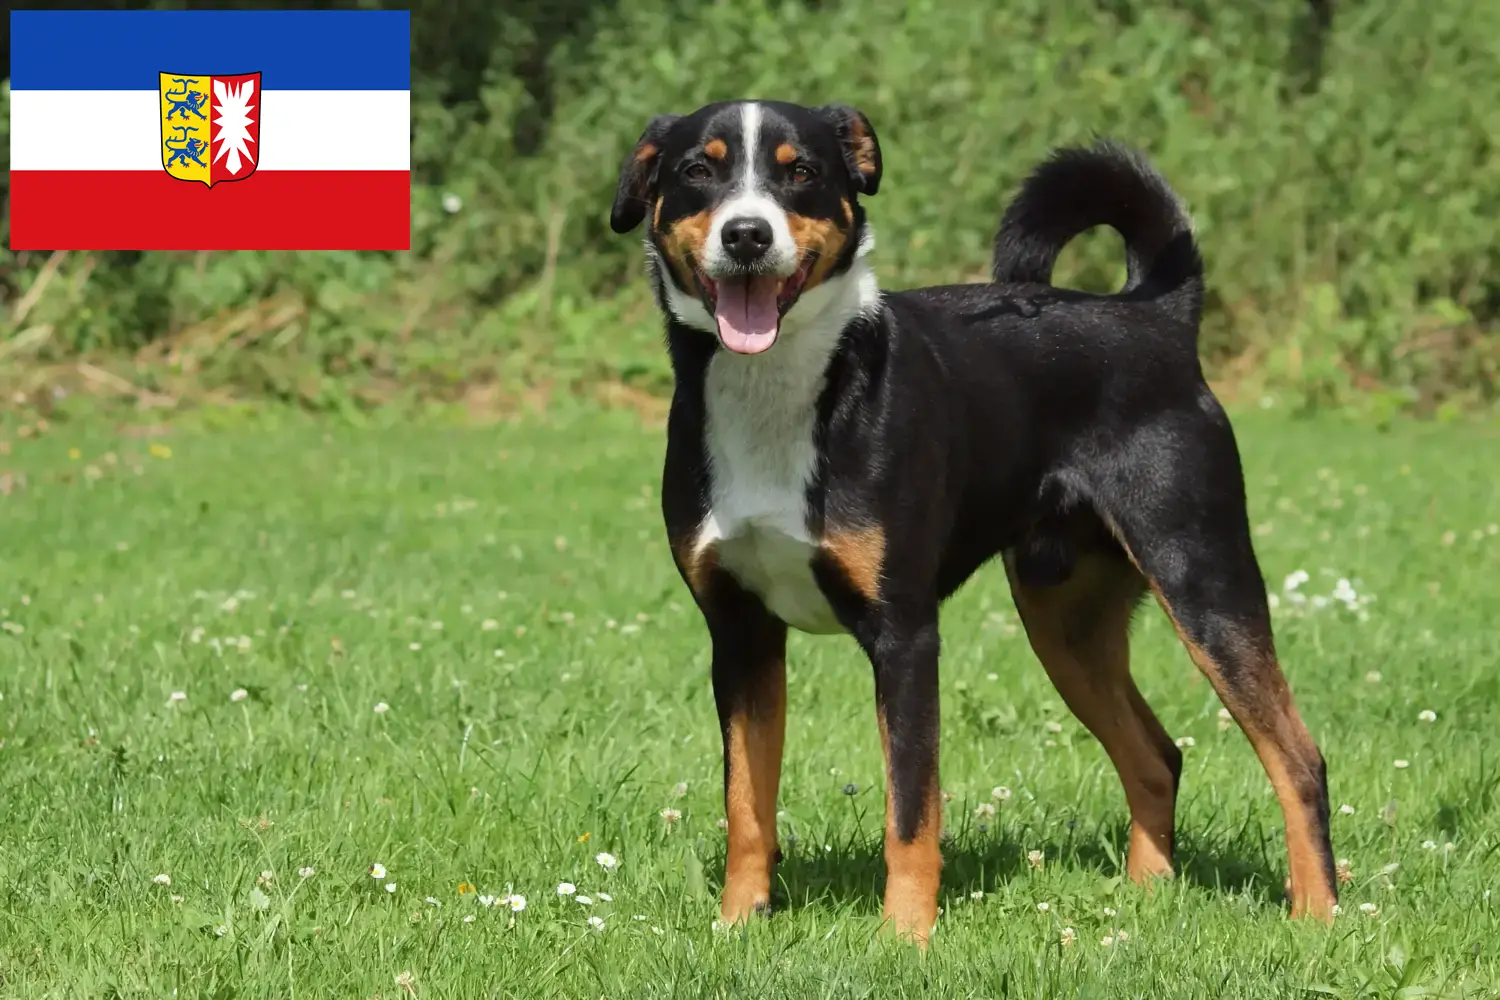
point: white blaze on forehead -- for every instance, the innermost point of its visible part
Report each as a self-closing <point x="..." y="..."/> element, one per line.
<point x="750" y="200"/>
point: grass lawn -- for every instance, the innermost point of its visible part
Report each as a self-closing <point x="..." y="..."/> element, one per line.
<point x="257" y="662"/>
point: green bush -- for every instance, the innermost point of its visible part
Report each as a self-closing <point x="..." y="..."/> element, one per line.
<point x="1344" y="179"/>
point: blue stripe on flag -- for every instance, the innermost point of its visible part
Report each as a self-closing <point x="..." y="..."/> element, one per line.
<point x="293" y="49"/>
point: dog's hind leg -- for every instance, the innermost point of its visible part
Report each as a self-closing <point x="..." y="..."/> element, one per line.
<point x="1175" y="497"/>
<point x="1079" y="630"/>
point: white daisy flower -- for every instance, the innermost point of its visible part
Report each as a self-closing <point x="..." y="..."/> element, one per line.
<point x="515" y="901"/>
<point x="606" y="860"/>
<point x="377" y="870"/>
<point x="585" y="900"/>
<point x="238" y="694"/>
<point x="381" y="708"/>
<point x="605" y="896"/>
<point x="566" y="888"/>
<point x="307" y="872"/>
<point x="163" y="879"/>
<point x="1000" y="793"/>
<point x="390" y="887"/>
<point x="1427" y="715"/>
<point x="597" y="923"/>
<point x="176" y="697"/>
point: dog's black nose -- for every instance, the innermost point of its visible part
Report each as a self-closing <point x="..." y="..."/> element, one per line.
<point x="747" y="239"/>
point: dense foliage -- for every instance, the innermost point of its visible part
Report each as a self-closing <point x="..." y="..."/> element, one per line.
<point x="1342" y="167"/>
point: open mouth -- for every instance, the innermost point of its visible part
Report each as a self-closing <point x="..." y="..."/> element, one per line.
<point x="748" y="308"/>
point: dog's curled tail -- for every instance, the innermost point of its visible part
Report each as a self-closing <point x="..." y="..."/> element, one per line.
<point x="1078" y="188"/>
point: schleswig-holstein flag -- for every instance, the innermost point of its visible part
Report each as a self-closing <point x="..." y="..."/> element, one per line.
<point x="210" y="130"/>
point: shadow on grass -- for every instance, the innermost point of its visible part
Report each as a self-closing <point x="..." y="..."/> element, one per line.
<point x="854" y="873"/>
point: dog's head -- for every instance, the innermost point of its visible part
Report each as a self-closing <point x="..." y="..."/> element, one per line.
<point x="752" y="206"/>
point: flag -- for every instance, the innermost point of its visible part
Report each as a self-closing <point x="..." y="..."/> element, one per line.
<point x="210" y="130"/>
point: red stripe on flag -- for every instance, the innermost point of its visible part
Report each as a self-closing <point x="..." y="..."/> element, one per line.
<point x="270" y="210"/>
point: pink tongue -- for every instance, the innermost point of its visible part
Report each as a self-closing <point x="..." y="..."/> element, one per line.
<point x="747" y="314"/>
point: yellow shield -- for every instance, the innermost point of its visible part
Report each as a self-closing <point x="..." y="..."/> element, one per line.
<point x="185" y="125"/>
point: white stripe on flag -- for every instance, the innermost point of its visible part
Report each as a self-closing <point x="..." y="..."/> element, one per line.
<point x="121" y="130"/>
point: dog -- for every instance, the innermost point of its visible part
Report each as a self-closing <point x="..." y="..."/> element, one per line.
<point x="841" y="459"/>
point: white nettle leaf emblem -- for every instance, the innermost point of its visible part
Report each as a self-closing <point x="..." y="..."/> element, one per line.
<point x="233" y="103"/>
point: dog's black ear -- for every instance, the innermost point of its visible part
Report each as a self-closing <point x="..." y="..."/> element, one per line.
<point x="638" y="176"/>
<point x="861" y="148"/>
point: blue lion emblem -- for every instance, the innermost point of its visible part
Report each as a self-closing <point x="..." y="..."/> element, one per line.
<point x="187" y="147"/>
<point x="189" y="102"/>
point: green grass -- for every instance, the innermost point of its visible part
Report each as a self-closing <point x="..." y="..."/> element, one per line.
<point x="325" y="570"/>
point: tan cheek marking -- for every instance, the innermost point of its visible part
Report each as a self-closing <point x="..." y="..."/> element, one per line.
<point x="716" y="149"/>
<point x="683" y="239"/>
<point x="785" y="153"/>
<point x="820" y="236"/>
<point x="848" y="212"/>
<point x="860" y="554"/>
<point x="656" y="215"/>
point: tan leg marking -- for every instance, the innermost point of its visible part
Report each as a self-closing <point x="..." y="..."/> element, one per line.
<point x="753" y="748"/>
<point x="1269" y="719"/>
<point x="860" y="554"/>
<point x="1080" y="632"/>
<point x="1274" y="727"/>
<point x="913" y="869"/>
<point x="696" y="562"/>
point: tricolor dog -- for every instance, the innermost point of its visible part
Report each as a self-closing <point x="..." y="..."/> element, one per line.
<point x="841" y="459"/>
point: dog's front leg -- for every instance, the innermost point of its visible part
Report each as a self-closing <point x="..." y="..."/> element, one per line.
<point x="749" y="676"/>
<point x="904" y="654"/>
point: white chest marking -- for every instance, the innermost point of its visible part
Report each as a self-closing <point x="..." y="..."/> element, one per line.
<point x="762" y="459"/>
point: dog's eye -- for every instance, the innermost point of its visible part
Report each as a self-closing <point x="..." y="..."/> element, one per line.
<point x="697" y="172"/>
<point x="802" y="173"/>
